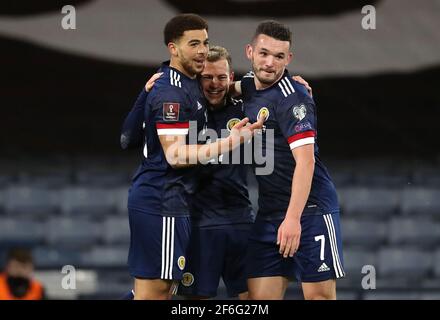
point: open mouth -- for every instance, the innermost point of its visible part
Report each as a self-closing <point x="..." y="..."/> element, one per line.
<point x="199" y="62"/>
<point x="215" y="93"/>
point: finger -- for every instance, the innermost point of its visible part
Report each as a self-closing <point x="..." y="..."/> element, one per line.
<point x="279" y="237"/>
<point x="288" y="248"/>
<point x="150" y="83"/>
<point x="255" y="125"/>
<point x="260" y="121"/>
<point x="300" y="80"/>
<point x="156" y="76"/>
<point x="283" y="244"/>
<point x="297" y="241"/>
<point x="241" y="124"/>
<point x="149" y="86"/>
<point x="294" y="247"/>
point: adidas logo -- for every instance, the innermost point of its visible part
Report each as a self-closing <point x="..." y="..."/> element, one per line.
<point x="323" y="268"/>
<point x="199" y="105"/>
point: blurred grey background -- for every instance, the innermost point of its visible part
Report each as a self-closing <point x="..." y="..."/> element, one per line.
<point x="65" y="93"/>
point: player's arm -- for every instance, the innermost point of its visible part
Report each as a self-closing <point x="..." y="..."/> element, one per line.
<point x="235" y="89"/>
<point x="289" y="232"/>
<point x="296" y="118"/>
<point x="181" y="155"/>
<point x="132" y="128"/>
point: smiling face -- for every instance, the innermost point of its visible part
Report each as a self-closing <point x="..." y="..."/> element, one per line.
<point x="188" y="53"/>
<point x="215" y="80"/>
<point x="269" y="58"/>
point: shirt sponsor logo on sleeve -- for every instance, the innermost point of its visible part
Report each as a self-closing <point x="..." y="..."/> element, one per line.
<point x="171" y="111"/>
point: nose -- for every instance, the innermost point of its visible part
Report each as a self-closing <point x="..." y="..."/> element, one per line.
<point x="202" y="49"/>
<point x="269" y="61"/>
<point x="214" y="84"/>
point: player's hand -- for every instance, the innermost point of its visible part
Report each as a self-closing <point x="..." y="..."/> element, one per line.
<point x="150" y="83"/>
<point x="304" y="83"/>
<point x="289" y="234"/>
<point x="243" y="131"/>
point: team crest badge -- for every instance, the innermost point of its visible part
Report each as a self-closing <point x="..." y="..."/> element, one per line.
<point x="264" y="112"/>
<point x="187" y="279"/>
<point x="181" y="262"/>
<point x="299" y="112"/>
<point x="231" y="123"/>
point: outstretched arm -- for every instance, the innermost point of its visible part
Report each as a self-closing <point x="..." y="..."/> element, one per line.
<point x="181" y="155"/>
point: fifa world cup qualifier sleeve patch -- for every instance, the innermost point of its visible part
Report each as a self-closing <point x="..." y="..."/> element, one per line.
<point x="171" y="111"/>
<point x="303" y="131"/>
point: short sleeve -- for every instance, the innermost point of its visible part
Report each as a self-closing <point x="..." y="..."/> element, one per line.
<point x="171" y="111"/>
<point x="297" y="121"/>
<point x="247" y="85"/>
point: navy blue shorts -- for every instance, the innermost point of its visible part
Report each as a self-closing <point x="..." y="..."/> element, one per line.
<point x="215" y="253"/>
<point x="158" y="245"/>
<point x="319" y="256"/>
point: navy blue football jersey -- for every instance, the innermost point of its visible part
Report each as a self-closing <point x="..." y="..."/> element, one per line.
<point x="174" y="102"/>
<point x="291" y="113"/>
<point x="222" y="196"/>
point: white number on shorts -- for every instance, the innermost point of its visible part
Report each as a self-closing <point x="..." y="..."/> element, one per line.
<point x="322" y="239"/>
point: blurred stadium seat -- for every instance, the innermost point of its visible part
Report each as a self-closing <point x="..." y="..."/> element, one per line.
<point x="363" y="201"/>
<point x="106" y="256"/>
<point x="367" y="233"/>
<point x="78" y="200"/>
<point x="55" y="258"/>
<point x="14" y="232"/>
<point x="72" y="232"/>
<point x="419" y="201"/>
<point x="408" y="262"/>
<point x="415" y="231"/>
<point x="31" y="200"/>
<point x="116" y="230"/>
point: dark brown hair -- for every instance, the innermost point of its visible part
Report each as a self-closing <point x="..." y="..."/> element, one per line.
<point x="21" y="255"/>
<point x="274" y="30"/>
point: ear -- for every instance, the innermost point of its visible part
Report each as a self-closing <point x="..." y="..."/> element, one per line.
<point x="289" y="58"/>
<point x="249" y="51"/>
<point x="231" y="76"/>
<point x="172" y="48"/>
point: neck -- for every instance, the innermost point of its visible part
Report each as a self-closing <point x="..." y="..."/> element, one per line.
<point x="220" y="105"/>
<point x="175" y="63"/>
